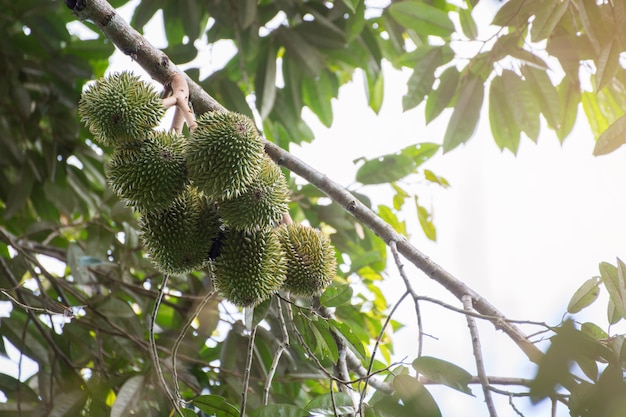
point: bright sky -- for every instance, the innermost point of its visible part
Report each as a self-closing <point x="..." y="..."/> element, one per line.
<point x="523" y="231"/>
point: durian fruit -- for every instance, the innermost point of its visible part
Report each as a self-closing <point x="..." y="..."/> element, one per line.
<point x="311" y="263"/>
<point x="262" y="205"/>
<point x="224" y="154"/>
<point x="120" y="108"/>
<point x="149" y="173"/>
<point x="250" y="266"/>
<point x="179" y="238"/>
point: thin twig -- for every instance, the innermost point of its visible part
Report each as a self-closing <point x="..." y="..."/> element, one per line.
<point x="246" y="378"/>
<point x="420" y="330"/>
<point x="154" y="352"/>
<point x="478" y="355"/>
<point x="375" y="349"/>
<point x="180" y="338"/>
<point x="283" y="344"/>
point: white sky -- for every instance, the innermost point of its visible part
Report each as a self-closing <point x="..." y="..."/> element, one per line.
<point x="523" y="231"/>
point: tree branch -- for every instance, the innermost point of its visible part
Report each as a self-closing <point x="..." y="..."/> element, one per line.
<point x="480" y="364"/>
<point x="159" y="67"/>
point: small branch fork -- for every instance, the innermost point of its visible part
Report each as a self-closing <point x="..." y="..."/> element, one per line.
<point x="478" y="355"/>
<point x="282" y="346"/>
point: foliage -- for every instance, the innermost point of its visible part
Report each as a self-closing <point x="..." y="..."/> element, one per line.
<point x="86" y="324"/>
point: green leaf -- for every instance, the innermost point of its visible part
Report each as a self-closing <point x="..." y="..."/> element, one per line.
<point x="613" y="279"/>
<point x="426" y="223"/>
<point x="607" y="63"/>
<point x="545" y="93"/>
<point x="415" y="396"/>
<point x="584" y="296"/>
<point x="593" y="330"/>
<point x="512" y="13"/>
<point x="114" y="307"/>
<point x="310" y="60"/>
<point x="546" y="19"/>
<point x="88" y="261"/>
<point x="128" y="396"/>
<point x="569" y="93"/>
<point x="13" y="388"/>
<point x="384" y="169"/>
<point x="66" y="403"/>
<point x="432" y="177"/>
<point x="375" y="91"/>
<point x="278" y="410"/>
<point x="336" y="295"/>
<point x="468" y="25"/>
<point x="352" y="4"/>
<point x="595" y="116"/>
<point x="389" y="217"/>
<point x="421" y="81"/>
<point x="261" y="311"/>
<point x="350" y="337"/>
<point x="20" y="191"/>
<point x="523" y="103"/>
<point x="215" y="405"/>
<point x="420" y="152"/>
<point x="337" y="403"/>
<point x="466" y="112"/>
<point x="317" y="94"/>
<point x="504" y="128"/>
<point x="444" y="372"/>
<point x="422" y="18"/>
<point x="439" y="99"/>
<point x="326" y="341"/>
<point x="612" y="138"/>
<point x="265" y="82"/>
<point x="247" y="12"/>
<point x="613" y="316"/>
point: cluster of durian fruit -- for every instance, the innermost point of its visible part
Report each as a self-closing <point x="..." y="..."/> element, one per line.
<point x="210" y="199"/>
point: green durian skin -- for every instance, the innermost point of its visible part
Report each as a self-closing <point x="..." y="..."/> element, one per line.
<point x="250" y="268"/>
<point x="120" y="108"/>
<point x="150" y="173"/>
<point x="179" y="238"/>
<point x="224" y="154"/>
<point x="262" y="205"/>
<point x="311" y="263"/>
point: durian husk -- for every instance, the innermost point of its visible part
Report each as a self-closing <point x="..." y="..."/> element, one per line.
<point x="311" y="263"/>
<point x="250" y="267"/>
<point x="178" y="239"/>
<point x="149" y="174"/>
<point x="120" y="108"/>
<point x="224" y="154"/>
<point x="262" y="205"/>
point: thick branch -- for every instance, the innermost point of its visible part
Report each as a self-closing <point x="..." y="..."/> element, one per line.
<point x="367" y="217"/>
<point x="132" y="43"/>
<point x="158" y="65"/>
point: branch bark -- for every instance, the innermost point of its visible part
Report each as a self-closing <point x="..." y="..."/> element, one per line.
<point x="160" y="68"/>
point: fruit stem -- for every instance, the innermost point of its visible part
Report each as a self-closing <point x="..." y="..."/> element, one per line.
<point x="176" y="93"/>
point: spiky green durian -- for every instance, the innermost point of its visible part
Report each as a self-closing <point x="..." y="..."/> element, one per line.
<point x="120" y="107"/>
<point x="149" y="173"/>
<point x="224" y="154"/>
<point x="311" y="263"/>
<point x="262" y="205"/>
<point x="179" y="238"/>
<point x="250" y="267"/>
